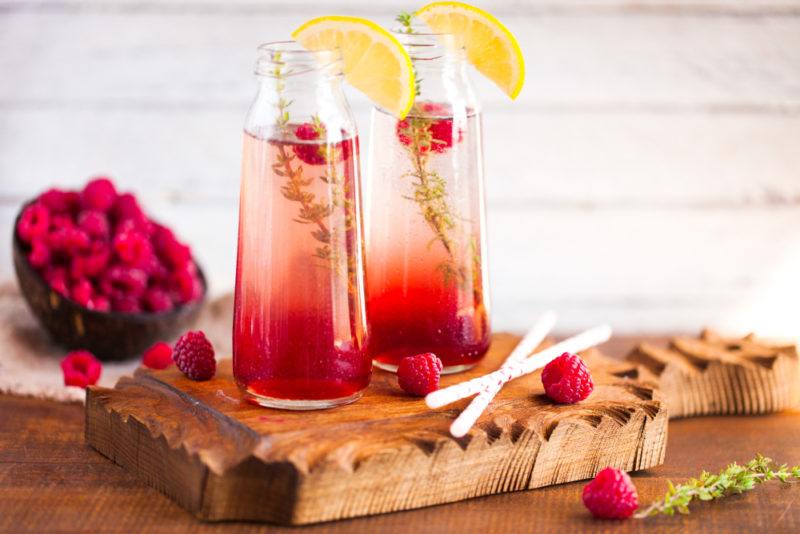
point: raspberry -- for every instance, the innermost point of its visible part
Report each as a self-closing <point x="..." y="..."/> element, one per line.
<point x="123" y="282"/>
<point x="60" y="221"/>
<point x="611" y="495"/>
<point x="566" y="379"/>
<point x="157" y="300"/>
<point x="58" y="201"/>
<point x="440" y="130"/>
<point x="99" y="194"/>
<point x="39" y="256"/>
<point x="126" y="304"/>
<point x="419" y="375"/>
<point x="186" y="285"/>
<point x="92" y="263"/>
<point x="194" y="356"/>
<point x="133" y="248"/>
<point x="69" y="240"/>
<point x="307" y="132"/>
<point x="81" y="369"/>
<point x="34" y="222"/>
<point x="94" y="223"/>
<point x="127" y="208"/>
<point x="82" y="292"/>
<point x="159" y="356"/>
<point x="99" y="303"/>
<point x="170" y="250"/>
<point x="56" y="278"/>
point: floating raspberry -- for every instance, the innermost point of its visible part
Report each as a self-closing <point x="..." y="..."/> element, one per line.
<point x="39" y="256"/>
<point x="566" y="379"/>
<point x="419" y="375"/>
<point x="33" y="223"/>
<point x="428" y="132"/>
<point x="82" y="292"/>
<point x="99" y="194"/>
<point x="81" y="369"/>
<point x="307" y="131"/>
<point x="159" y="356"/>
<point x="94" y="223"/>
<point x="194" y="356"/>
<point x="133" y="248"/>
<point x="157" y="300"/>
<point x="611" y="495"/>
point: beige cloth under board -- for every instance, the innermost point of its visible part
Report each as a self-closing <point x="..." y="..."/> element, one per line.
<point x="30" y="363"/>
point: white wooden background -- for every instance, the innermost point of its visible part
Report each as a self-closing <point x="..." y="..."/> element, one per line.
<point x="648" y="175"/>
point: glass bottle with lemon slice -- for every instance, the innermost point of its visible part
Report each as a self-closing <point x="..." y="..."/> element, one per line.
<point x="299" y="330"/>
<point x="427" y="283"/>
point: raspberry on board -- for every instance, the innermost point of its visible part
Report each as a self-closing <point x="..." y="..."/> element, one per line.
<point x="81" y="369"/>
<point x="611" y="495"/>
<point x="158" y="356"/>
<point x="194" y="356"/>
<point x="419" y="375"/>
<point x="567" y="380"/>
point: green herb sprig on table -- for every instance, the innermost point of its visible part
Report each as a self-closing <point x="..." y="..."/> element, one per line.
<point x="732" y="480"/>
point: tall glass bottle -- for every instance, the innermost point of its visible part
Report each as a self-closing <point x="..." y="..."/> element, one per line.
<point x="427" y="285"/>
<point x="299" y="319"/>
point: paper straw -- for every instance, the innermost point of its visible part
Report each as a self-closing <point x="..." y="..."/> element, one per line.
<point x="589" y="338"/>
<point x="529" y="343"/>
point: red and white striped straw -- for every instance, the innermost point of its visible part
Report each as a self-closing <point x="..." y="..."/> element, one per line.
<point x="584" y="340"/>
<point x="529" y="343"/>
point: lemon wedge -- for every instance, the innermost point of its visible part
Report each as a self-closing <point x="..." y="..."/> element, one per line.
<point x="374" y="60"/>
<point x="490" y="47"/>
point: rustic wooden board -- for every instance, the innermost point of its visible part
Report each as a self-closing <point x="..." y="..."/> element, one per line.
<point x="716" y="375"/>
<point x="223" y="459"/>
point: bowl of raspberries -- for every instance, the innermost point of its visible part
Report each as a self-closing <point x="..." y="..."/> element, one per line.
<point x="100" y="275"/>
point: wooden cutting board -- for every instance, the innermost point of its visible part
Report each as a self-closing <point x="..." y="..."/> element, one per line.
<point x="223" y="459"/>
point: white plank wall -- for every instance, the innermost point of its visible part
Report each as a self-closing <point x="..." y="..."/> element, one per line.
<point x="648" y="175"/>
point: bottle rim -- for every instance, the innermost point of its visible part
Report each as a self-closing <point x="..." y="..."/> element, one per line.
<point x="429" y="46"/>
<point x="284" y="59"/>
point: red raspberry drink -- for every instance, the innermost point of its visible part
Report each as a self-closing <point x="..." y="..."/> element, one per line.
<point x="299" y="325"/>
<point x="426" y="282"/>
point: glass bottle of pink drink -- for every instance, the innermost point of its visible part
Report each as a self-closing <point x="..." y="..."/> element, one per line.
<point x="299" y="319"/>
<point x="427" y="286"/>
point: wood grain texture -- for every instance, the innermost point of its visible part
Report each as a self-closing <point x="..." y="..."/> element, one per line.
<point x="50" y="480"/>
<point x="715" y="375"/>
<point x="226" y="460"/>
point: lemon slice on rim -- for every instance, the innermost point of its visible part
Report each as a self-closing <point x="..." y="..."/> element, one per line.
<point x="490" y="47"/>
<point x="374" y="60"/>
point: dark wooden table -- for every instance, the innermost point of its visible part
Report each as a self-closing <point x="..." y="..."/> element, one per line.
<point x="51" y="481"/>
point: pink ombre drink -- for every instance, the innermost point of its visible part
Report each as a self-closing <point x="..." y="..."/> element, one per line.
<point x="299" y="322"/>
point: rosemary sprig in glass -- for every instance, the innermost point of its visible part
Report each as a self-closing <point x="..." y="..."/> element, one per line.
<point x="733" y="479"/>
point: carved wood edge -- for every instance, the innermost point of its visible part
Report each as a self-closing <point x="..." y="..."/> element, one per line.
<point x="222" y="443"/>
<point x="717" y="375"/>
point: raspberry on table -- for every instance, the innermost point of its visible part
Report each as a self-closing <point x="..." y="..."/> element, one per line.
<point x="611" y="495"/>
<point x="194" y="356"/>
<point x="158" y="356"/>
<point x="419" y="375"/>
<point x="34" y="222"/>
<point x="567" y="379"/>
<point x="81" y="369"/>
<point x="99" y="194"/>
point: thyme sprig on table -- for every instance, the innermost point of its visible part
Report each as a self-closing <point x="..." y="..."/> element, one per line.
<point x="707" y="487"/>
